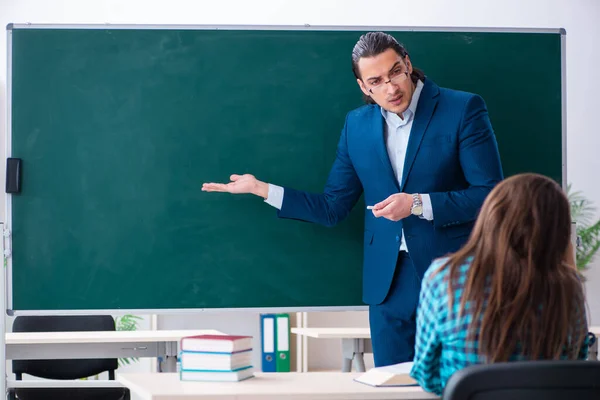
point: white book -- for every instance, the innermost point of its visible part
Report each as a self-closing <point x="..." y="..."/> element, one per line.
<point x="217" y="376"/>
<point x="215" y="361"/>
<point x="391" y="375"/>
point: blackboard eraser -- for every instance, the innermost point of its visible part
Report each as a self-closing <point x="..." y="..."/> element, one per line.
<point x="13" y="175"/>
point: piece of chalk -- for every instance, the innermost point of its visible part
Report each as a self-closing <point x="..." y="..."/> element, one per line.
<point x="370" y="207"/>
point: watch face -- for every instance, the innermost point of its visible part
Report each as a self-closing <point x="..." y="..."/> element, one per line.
<point x="417" y="210"/>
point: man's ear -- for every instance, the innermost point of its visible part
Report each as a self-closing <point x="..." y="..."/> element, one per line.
<point x="408" y="64"/>
<point x="364" y="89"/>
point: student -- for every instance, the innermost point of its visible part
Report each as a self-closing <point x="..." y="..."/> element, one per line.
<point x="511" y="293"/>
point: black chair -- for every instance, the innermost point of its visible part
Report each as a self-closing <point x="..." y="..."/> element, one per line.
<point x="67" y="368"/>
<point x="526" y="380"/>
<point x="96" y="393"/>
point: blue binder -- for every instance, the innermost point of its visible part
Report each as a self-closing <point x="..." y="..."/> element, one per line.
<point x="267" y="329"/>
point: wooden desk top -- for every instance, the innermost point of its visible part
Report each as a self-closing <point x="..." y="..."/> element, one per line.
<point x="265" y="386"/>
<point x="103" y="336"/>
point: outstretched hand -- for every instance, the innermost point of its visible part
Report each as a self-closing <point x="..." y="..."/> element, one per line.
<point x="239" y="184"/>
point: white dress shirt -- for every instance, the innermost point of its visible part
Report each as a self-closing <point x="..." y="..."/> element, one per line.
<point x="397" y="132"/>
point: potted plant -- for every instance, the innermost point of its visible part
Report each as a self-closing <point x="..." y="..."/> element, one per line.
<point x="588" y="230"/>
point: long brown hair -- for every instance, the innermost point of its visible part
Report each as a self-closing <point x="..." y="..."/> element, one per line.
<point x="524" y="294"/>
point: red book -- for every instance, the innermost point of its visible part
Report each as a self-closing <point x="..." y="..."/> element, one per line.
<point x="216" y="343"/>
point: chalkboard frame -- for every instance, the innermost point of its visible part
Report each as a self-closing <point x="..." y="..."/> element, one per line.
<point x="6" y="280"/>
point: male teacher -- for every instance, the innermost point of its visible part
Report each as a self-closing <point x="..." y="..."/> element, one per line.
<point x="425" y="158"/>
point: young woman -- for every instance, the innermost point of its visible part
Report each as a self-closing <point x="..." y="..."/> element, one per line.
<point x="511" y="293"/>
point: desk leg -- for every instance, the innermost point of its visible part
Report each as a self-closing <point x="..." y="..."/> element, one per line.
<point x="347" y="354"/>
<point x="359" y="362"/>
<point x="364" y="346"/>
<point x="167" y="359"/>
<point x="346" y="364"/>
<point x="169" y="364"/>
<point x="171" y="359"/>
<point x="353" y="350"/>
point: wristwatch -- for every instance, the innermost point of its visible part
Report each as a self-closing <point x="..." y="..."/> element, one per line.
<point x="417" y="205"/>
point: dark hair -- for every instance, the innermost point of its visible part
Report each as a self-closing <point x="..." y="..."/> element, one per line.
<point x="374" y="43"/>
<point x="522" y="286"/>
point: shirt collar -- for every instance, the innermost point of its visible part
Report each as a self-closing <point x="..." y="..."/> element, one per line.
<point x="409" y="113"/>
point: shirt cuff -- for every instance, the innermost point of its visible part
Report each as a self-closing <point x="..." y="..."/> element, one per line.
<point x="275" y="196"/>
<point x="427" y="209"/>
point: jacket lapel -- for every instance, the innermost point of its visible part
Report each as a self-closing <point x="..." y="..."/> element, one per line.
<point x="378" y="129"/>
<point x="425" y="108"/>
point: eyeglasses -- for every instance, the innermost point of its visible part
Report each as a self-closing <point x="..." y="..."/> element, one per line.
<point x="397" y="76"/>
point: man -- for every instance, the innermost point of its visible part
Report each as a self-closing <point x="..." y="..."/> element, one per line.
<point x="425" y="158"/>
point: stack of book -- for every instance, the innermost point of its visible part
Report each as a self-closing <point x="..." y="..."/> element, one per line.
<point x="223" y="358"/>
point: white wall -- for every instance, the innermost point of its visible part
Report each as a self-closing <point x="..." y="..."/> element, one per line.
<point x="579" y="17"/>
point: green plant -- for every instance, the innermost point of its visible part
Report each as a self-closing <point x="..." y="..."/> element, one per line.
<point x="588" y="230"/>
<point x="127" y="322"/>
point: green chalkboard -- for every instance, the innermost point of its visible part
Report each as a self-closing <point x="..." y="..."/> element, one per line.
<point x="118" y="128"/>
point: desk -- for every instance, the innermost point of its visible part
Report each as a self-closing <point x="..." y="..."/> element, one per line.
<point x="297" y="386"/>
<point x="355" y="342"/>
<point x="162" y="344"/>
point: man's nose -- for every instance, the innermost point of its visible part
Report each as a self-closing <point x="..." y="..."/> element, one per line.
<point x="391" y="87"/>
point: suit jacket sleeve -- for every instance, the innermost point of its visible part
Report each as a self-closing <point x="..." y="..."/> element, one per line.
<point x="341" y="192"/>
<point x="480" y="162"/>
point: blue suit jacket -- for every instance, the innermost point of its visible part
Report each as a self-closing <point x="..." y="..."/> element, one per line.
<point x="452" y="154"/>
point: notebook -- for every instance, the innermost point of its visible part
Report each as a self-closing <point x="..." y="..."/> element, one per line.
<point x="391" y="375"/>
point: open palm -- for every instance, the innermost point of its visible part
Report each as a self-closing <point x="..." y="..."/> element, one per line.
<point x="239" y="184"/>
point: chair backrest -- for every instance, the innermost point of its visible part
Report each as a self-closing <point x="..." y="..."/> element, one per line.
<point x="64" y="369"/>
<point x="94" y="393"/>
<point x="526" y="380"/>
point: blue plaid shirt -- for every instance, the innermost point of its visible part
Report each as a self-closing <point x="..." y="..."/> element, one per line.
<point x="441" y="342"/>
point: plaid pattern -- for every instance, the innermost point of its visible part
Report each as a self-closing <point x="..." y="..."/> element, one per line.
<point x="441" y="346"/>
